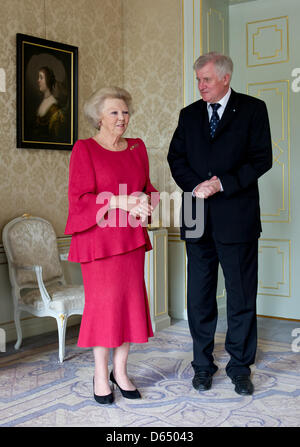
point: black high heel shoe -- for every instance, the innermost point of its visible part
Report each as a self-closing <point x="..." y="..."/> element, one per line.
<point x="107" y="399"/>
<point x="135" y="394"/>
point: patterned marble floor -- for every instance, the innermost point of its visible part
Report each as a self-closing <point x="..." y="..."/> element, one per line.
<point x="37" y="391"/>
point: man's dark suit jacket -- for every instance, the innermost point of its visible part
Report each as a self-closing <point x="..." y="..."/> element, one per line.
<point x="239" y="154"/>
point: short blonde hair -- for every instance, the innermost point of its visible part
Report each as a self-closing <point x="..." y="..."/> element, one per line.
<point x="93" y="107"/>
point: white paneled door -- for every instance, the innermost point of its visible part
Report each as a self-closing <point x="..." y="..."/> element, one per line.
<point x="263" y="39"/>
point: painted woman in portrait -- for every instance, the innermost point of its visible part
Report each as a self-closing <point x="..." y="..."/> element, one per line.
<point x="50" y="117"/>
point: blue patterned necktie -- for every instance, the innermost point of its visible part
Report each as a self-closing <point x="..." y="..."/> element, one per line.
<point x="214" y="121"/>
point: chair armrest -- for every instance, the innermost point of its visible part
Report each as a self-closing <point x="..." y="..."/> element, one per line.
<point x="38" y="269"/>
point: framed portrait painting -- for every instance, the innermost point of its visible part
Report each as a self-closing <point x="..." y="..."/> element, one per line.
<point x="47" y="94"/>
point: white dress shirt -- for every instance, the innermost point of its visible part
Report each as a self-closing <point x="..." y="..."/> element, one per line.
<point x="223" y="102"/>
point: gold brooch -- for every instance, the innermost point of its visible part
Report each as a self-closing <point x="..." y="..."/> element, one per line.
<point x="134" y="146"/>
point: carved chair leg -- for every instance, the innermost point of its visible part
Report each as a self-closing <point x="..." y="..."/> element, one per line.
<point x="61" y="325"/>
<point x="17" y="314"/>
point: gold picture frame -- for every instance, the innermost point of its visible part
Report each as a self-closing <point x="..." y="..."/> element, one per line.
<point x="47" y="94"/>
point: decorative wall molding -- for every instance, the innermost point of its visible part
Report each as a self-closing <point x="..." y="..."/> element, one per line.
<point x="156" y="278"/>
<point x="204" y="29"/>
<point x="275" y="267"/>
<point x="215" y="22"/>
<point x="192" y="32"/>
<point x="267" y="41"/>
<point x="275" y="185"/>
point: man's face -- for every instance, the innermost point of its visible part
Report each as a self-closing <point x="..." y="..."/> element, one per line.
<point x="210" y="86"/>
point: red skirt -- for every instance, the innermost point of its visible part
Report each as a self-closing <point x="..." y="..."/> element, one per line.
<point x="116" y="305"/>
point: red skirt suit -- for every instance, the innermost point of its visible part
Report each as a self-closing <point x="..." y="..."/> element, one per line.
<point x="110" y="249"/>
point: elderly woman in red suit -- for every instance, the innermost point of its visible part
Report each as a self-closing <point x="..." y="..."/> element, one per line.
<point x="110" y="200"/>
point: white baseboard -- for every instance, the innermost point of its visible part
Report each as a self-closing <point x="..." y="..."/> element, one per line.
<point x="161" y="323"/>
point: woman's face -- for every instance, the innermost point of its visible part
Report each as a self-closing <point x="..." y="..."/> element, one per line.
<point x="42" y="81"/>
<point x="115" y="117"/>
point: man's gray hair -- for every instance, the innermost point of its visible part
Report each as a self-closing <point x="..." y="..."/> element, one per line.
<point x="223" y="64"/>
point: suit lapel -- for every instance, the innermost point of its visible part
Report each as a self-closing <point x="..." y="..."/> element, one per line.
<point x="203" y="123"/>
<point x="229" y="113"/>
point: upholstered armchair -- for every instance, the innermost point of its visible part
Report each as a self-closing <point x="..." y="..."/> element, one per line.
<point x="36" y="275"/>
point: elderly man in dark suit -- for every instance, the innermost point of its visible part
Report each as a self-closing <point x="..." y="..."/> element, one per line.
<point x="221" y="146"/>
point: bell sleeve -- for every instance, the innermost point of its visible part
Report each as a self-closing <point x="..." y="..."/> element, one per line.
<point x="149" y="189"/>
<point x="152" y="193"/>
<point x="84" y="211"/>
